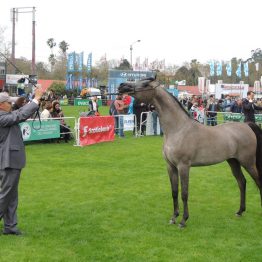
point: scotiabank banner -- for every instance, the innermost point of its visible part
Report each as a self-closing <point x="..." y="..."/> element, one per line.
<point x="96" y="129"/>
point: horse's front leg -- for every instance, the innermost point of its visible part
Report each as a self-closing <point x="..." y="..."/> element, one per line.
<point x="173" y="176"/>
<point x="183" y="171"/>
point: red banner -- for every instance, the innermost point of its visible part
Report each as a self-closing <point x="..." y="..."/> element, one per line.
<point x="96" y="129"/>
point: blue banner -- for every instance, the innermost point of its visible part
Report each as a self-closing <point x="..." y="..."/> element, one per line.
<point x="89" y="63"/>
<point x="71" y="62"/>
<point x="80" y="84"/>
<point x="69" y="82"/>
<point x="229" y="69"/>
<point x="246" y="69"/>
<point x="219" y="68"/>
<point x="212" y="68"/>
<point x="77" y="61"/>
<point x="238" y="72"/>
<point x="80" y="62"/>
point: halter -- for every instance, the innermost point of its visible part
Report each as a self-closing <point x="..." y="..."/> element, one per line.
<point x="149" y="89"/>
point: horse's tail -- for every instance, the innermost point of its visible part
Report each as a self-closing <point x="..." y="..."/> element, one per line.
<point x="258" y="132"/>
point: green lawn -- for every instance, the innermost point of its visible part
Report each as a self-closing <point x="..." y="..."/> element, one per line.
<point x="112" y="202"/>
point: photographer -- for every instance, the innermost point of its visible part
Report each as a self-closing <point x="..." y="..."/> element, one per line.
<point x="12" y="158"/>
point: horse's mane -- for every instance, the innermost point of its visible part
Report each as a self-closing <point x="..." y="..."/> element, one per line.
<point x="150" y="79"/>
<point x="181" y="106"/>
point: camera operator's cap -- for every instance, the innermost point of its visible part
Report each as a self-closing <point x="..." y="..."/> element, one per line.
<point x="4" y="97"/>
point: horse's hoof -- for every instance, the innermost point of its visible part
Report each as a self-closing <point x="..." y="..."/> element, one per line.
<point x="238" y="214"/>
<point x="172" y="222"/>
<point x="181" y="225"/>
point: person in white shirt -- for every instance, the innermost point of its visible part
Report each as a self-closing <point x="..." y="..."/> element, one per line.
<point x="46" y="112"/>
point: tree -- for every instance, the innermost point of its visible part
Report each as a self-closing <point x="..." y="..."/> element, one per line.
<point x="193" y="73"/>
<point x="59" y="69"/>
<point x="42" y="70"/>
<point x="4" y="46"/>
<point x="63" y="47"/>
<point x="58" y="88"/>
<point x="181" y="74"/>
<point x="124" y="65"/>
<point x="100" y="71"/>
<point x="51" y="43"/>
<point x="256" y="55"/>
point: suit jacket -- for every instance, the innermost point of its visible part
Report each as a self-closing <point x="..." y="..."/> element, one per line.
<point x="249" y="110"/>
<point x="12" y="150"/>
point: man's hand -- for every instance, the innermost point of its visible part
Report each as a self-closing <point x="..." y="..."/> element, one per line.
<point x="38" y="93"/>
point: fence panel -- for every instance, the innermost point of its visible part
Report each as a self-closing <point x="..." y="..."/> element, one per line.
<point x="49" y="128"/>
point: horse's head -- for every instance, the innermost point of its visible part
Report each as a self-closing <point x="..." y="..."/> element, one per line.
<point x="143" y="90"/>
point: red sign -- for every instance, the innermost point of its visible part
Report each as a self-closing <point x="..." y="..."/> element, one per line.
<point x="96" y="129"/>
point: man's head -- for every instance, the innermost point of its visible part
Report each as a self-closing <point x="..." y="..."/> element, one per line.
<point x="6" y="102"/>
<point x="212" y="98"/>
<point x="250" y="94"/>
<point x="239" y="101"/>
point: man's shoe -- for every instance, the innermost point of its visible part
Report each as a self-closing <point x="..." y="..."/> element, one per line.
<point x="16" y="232"/>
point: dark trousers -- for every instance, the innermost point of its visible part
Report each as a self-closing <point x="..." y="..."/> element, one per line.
<point x="9" y="180"/>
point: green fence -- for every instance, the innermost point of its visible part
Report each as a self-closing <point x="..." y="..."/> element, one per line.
<point x="85" y="102"/>
<point x="33" y="130"/>
<point x="235" y="117"/>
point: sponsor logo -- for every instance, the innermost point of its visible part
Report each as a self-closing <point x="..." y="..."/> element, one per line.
<point x="134" y="75"/>
<point x="26" y="131"/>
<point x="82" y="103"/>
<point x="98" y="129"/>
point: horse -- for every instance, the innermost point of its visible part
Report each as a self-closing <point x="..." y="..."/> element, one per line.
<point x="240" y="144"/>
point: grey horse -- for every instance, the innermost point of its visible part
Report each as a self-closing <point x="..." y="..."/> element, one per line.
<point x="240" y="144"/>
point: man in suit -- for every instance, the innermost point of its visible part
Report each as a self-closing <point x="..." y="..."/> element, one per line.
<point x="249" y="107"/>
<point x="12" y="157"/>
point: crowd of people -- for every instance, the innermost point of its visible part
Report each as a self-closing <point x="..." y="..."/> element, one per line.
<point x="125" y="104"/>
<point x="51" y="108"/>
<point x="198" y="108"/>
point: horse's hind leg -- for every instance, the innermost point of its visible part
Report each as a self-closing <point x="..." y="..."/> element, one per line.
<point x="252" y="170"/>
<point x="173" y="176"/>
<point x="237" y="172"/>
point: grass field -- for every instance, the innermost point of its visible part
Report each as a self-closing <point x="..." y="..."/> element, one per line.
<point x="112" y="202"/>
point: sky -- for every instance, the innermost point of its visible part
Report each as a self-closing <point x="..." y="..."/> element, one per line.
<point x="175" y="30"/>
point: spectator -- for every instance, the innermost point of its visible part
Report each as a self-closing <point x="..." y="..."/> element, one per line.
<point x="127" y="101"/>
<point x="131" y="106"/>
<point x="64" y="129"/>
<point x="191" y="102"/>
<point x="155" y="118"/>
<point x="93" y="105"/>
<point x="212" y="108"/>
<point x="119" y="110"/>
<point x="249" y="107"/>
<point x="236" y="106"/>
<point x="139" y="108"/>
<point x="21" y="101"/>
<point x="51" y="96"/>
<point x="227" y="104"/>
<point x="197" y="112"/>
<point x="47" y="105"/>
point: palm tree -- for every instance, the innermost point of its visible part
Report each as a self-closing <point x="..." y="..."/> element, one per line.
<point x="51" y="43"/>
